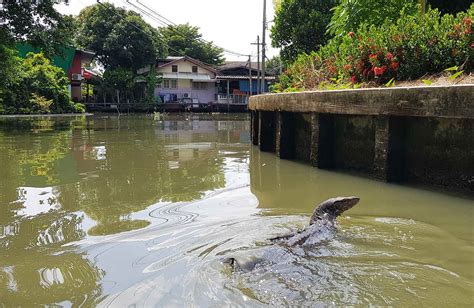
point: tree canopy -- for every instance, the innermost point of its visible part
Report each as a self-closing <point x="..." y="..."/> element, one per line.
<point x="350" y="14"/>
<point x="300" y="26"/>
<point x="37" y="23"/>
<point x="33" y="85"/>
<point x="185" y="39"/>
<point x="119" y="37"/>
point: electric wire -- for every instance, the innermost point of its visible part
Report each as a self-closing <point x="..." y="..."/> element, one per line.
<point x="170" y="23"/>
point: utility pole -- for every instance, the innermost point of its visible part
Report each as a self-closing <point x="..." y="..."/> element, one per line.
<point x="250" y="76"/>
<point x="263" y="44"/>
<point x="258" y="63"/>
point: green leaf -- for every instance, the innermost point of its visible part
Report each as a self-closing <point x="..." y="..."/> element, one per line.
<point x="427" y="82"/>
<point x="451" y="69"/>
<point x="456" y="75"/>
<point x="391" y="83"/>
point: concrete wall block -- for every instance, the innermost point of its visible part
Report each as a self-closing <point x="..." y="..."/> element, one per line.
<point x="382" y="135"/>
<point x="266" y="139"/>
<point x="254" y="123"/>
<point x="326" y="145"/>
<point x="314" y="154"/>
<point x="285" y="135"/>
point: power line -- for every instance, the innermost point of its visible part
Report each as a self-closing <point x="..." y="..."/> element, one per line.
<point x="173" y="29"/>
<point x="170" y="23"/>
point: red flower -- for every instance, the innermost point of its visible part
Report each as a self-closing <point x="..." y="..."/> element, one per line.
<point x="467" y="21"/>
<point x="394" y="65"/>
<point x="351" y="34"/>
<point x="389" y="56"/>
<point x="379" y="70"/>
<point x="347" y="67"/>
<point x="354" y="79"/>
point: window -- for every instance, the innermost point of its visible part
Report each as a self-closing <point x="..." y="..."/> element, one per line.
<point x="174" y="68"/>
<point x="199" y="86"/>
<point x="195" y="69"/>
<point x="170" y="84"/>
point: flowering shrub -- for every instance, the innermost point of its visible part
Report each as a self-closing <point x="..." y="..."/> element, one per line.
<point x="408" y="49"/>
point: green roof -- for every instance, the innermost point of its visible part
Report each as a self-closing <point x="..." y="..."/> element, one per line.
<point x="64" y="62"/>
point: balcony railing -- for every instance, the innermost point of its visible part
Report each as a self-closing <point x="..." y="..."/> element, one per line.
<point x="233" y="99"/>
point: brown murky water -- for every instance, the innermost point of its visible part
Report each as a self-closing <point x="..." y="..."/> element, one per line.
<point x="140" y="211"/>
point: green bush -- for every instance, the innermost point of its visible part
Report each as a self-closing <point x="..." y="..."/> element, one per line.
<point x="35" y="86"/>
<point x="79" y="108"/>
<point x="414" y="46"/>
<point x="40" y="104"/>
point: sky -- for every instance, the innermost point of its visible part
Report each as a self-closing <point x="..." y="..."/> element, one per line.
<point x="231" y="24"/>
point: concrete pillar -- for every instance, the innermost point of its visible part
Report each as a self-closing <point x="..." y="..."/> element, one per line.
<point x="326" y="144"/>
<point x="254" y="123"/>
<point x="285" y="135"/>
<point x="382" y="133"/>
<point x="266" y="139"/>
<point x="389" y="149"/>
<point x="314" y="142"/>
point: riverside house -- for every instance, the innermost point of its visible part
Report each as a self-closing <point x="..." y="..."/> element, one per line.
<point x="185" y="79"/>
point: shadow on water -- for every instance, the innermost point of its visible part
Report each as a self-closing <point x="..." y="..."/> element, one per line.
<point x="133" y="211"/>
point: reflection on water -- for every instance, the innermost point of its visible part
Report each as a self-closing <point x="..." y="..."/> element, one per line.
<point x="133" y="211"/>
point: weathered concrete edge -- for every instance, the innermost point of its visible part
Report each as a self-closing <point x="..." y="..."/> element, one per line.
<point x="46" y="115"/>
<point x="456" y="101"/>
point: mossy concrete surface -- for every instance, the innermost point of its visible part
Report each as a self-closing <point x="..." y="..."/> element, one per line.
<point x="434" y="101"/>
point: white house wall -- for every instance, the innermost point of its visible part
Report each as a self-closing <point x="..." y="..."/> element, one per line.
<point x="185" y="86"/>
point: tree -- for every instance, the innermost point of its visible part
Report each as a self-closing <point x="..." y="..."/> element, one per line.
<point x="300" y="26"/>
<point x="37" y="23"/>
<point x="186" y="40"/>
<point x="274" y="66"/>
<point x="349" y="15"/>
<point x="37" y="87"/>
<point x="120" y="38"/>
<point x="33" y="84"/>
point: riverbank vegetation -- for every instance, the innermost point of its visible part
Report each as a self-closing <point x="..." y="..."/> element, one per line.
<point x="375" y="43"/>
<point x="123" y="44"/>
<point x="33" y="85"/>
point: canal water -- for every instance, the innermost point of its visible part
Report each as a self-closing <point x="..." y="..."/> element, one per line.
<point x="141" y="210"/>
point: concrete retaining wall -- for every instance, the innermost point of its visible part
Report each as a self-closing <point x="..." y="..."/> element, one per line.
<point x="422" y="135"/>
